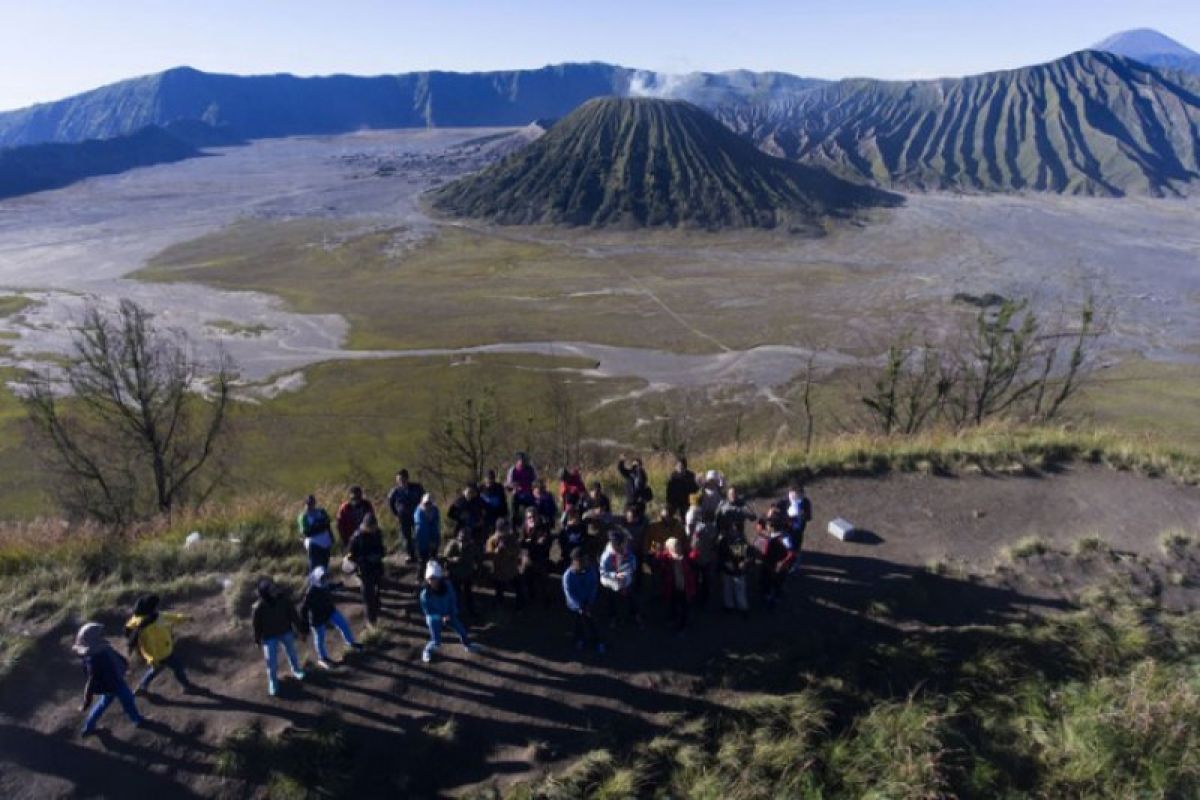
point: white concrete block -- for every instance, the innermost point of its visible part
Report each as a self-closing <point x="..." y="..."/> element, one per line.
<point x="841" y="529"/>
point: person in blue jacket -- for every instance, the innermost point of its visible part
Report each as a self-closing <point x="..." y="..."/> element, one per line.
<point x="427" y="534"/>
<point x="439" y="604"/>
<point x="105" y="669"/>
<point x="581" y="588"/>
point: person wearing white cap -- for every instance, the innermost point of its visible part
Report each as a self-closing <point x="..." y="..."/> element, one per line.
<point x="439" y="604"/>
<point x="319" y="611"/>
<point x="105" y="677"/>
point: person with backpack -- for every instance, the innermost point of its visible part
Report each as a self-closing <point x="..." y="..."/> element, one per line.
<point x="618" y="578"/>
<point x="105" y="669"/>
<point x="519" y="481"/>
<point x="439" y="604"/>
<point x="427" y="533"/>
<point x="275" y="622"/>
<point x="317" y="532"/>
<point x="352" y="513"/>
<point x="402" y="500"/>
<point x="680" y="488"/>
<point x="318" y="610"/>
<point x="462" y="558"/>
<point x="581" y="589"/>
<point x="150" y="633"/>
<point x="367" y="552"/>
<point x="637" y="485"/>
<point x="503" y="552"/>
<point x="677" y="577"/>
<point x="495" y="502"/>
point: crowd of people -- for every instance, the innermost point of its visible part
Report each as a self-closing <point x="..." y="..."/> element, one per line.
<point x="517" y="540"/>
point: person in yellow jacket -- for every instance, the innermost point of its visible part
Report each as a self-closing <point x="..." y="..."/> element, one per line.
<point x="151" y="633"/>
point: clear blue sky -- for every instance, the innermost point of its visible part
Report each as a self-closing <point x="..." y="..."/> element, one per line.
<point x="52" y="48"/>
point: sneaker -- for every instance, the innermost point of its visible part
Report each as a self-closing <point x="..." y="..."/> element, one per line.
<point x="323" y="664"/>
<point x="427" y="656"/>
<point x="273" y="689"/>
<point x="298" y="675"/>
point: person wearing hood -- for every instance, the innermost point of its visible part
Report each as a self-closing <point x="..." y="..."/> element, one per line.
<point x="150" y="632"/>
<point x="105" y="669"/>
<point x="581" y="589"/>
<point x="680" y="487"/>
<point x="618" y="577"/>
<point x="275" y="622"/>
<point x="439" y="604"/>
<point x="352" y="513"/>
<point x="367" y="552"/>
<point x="317" y="532"/>
<point x="427" y="533"/>
<point x="319" y="611"/>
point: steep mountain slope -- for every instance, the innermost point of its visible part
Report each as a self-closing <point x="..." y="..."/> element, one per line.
<point x="1153" y="48"/>
<point x="646" y="162"/>
<point x="1090" y="123"/>
<point x="39" y="167"/>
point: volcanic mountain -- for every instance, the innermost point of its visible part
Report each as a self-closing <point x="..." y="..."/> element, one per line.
<point x="1091" y="123"/>
<point x="1153" y="48"/>
<point x="640" y="162"/>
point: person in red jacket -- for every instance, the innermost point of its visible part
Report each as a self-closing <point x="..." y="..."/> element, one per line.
<point x="352" y="513"/>
<point x="778" y="556"/>
<point x="678" y="580"/>
<point x="571" y="488"/>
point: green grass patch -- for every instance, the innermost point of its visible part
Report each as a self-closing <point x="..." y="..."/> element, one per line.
<point x="11" y="304"/>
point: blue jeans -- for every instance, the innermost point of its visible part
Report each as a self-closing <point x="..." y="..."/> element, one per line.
<point x="176" y="667"/>
<point x="124" y="695"/>
<point x="338" y="621"/>
<point x="435" y="631"/>
<point x="270" y="654"/>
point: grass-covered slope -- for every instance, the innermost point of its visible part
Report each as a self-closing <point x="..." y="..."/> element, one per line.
<point x="1091" y="123"/>
<point x="643" y="162"/>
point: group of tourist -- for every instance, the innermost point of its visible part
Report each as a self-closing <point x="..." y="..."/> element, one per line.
<point x="516" y="538"/>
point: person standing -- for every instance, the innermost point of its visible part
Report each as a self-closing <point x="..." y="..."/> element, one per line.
<point x="571" y="488"/>
<point x="439" y="604"/>
<point x="495" y="502"/>
<point x="637" y="485"/>
<point x="367" y="551"/>
<point x="733" y="556"/>
<point x="732" y="516"/>
<point x="680" y="487"/>
<point x="317" y="532"/>
<point x="275" y="622"/>
<point x="618" y="577"/>
<point x="318" y="610"/>
<point x="468" y="510"/>
<point x="778" y="556"/>
<point x="677" y="577"/>
<point x="352" y="513"/>
<point x="151" y="633"/>
<point x="800" y="513"/>
<point x="403" y="500"/>
<point x="520" y="480"/>
<point x="462" y="557"/>
<point x="503" y="550"/>
<point x="427" y="533"/>
<point x="536" y="543"/>
<point x="574" y="535"/>
<point x="581" y="589"/>
<point x="105" y="669"/>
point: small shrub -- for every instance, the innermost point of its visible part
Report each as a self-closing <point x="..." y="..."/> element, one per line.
<point x="1027" y="547"/>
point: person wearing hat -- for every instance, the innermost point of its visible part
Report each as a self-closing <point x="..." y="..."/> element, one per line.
<point x="519" y="481"/>
<point x="150" y="632"/>
<point x="403" y="500"/>
<point x="317" y="532"/>
<point x="439" y="604"/>
<point x="105" y="669"/>
<point x="352" y="513"/>
<point x="319" y="611"/>
<point x="581" y="589"/>
<point x="503" y="551"/>
<point x="275" y="622"/>
<point x="427" y="533"/>
<point x="367" y="552"/>
<point x="618" y="571"/>
<point x="677" y="576"/>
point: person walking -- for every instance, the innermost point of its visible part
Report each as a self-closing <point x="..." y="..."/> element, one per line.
<point x="462" y="558"/>
<point x="367" y="552"/>
<point x="275" y="622"/>
<point x="581" y="589"/>
<point x="402" y="500"/>
<point x="151" y="633"/>
<point x="105" y="669"/>
<point x="680" y="487"/>
<point x="319" y="611"/>
<point x="678" y="581"/>
<point x="352" y="513"/>
<point x="439" y="604"/>
<point x="317" y="532"/>
<point x="503" y="551"/>
<point x="427" y="533"/>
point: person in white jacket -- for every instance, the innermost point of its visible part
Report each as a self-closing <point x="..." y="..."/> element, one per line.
<point x="618" y="566"/>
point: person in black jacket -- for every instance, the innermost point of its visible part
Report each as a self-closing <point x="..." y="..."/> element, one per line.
<point x="318" y="610"/>
<point x="680" y="488"/>
<point x="367" y="552"/>
<point x="403" y="500"/>
<point x="637" y="484"/>
<point x="495" y="502"/>
<point x="275" y="622"/>
<point x="467" y="511"/>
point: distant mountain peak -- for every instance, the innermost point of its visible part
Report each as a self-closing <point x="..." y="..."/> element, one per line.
<point x="1140" y="43"/>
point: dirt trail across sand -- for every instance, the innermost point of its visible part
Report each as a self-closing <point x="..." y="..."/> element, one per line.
<point x="529" y="699"/>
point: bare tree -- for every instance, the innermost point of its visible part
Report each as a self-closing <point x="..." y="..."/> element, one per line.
<point x="124" y="425"/>
<point x="675" y="430"/>
<point x="564" y="426"/>
<point x="910" y="390"/>
<point x="464" y="440"/>
<point x="807" y="382"/>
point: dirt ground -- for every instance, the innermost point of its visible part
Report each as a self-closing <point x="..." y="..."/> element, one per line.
<point x="530" y="700"/>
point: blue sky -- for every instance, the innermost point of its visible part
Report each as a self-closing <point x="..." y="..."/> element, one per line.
<point x="52" y="48"/>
